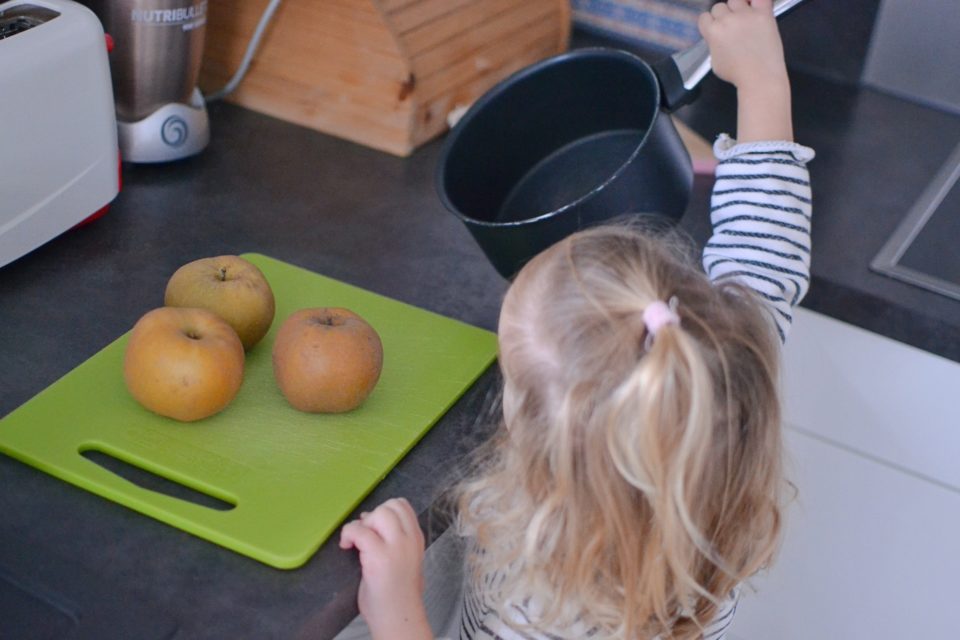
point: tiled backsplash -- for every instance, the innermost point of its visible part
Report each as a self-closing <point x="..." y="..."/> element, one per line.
<point x="660" y="25"/>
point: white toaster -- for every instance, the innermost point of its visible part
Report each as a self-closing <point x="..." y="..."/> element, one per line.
<point x="59" y="161"/>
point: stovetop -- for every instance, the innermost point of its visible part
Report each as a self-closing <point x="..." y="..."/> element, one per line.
<point x="925" y="248"/>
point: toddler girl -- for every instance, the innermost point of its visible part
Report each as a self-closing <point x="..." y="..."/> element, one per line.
<point x="636" y="480"/>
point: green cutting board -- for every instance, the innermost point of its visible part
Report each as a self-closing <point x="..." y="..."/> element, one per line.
<point x="290" y="477"/>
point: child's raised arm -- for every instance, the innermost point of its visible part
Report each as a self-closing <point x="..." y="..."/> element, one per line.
<point x="746" y="51"/>
<point x="761" y="202"/>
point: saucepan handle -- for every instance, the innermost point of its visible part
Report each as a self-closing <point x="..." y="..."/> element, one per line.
<point x="680" y="73"/>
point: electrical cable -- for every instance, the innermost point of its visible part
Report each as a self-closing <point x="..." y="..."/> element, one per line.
<point x="252" y="47"/>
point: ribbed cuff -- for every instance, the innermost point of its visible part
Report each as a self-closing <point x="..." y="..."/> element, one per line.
<point x="726" y="147"/>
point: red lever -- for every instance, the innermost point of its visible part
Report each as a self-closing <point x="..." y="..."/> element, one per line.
<point x="102" y="211"/>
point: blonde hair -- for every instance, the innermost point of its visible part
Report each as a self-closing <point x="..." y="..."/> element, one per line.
<point x="629" y="489"/>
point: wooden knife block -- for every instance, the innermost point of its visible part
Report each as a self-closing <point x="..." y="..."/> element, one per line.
<point x="383" y="73"/>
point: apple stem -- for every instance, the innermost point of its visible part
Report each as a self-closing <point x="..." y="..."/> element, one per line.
<point x="223" y="273"/>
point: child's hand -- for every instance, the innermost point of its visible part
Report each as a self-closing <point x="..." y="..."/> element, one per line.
<point x="391" y="547"/>
<point x="746" y="51"/>
<point x="744" y="42"/>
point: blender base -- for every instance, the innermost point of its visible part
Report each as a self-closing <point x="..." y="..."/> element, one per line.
<point x="172" y="132"/>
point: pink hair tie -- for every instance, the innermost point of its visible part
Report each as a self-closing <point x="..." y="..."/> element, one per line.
<point x="657" y="315"/>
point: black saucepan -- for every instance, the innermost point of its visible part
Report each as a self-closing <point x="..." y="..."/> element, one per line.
<point x="568" y="142"/>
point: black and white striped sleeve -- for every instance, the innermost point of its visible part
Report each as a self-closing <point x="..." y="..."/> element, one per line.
<point x="760" y="211"/>
<point x="717" y="629"/>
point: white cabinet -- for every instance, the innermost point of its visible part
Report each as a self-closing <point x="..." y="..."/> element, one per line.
<point x="869" y="553"/>
<point x="874" y="395"/>
<point x="872" y="543"/>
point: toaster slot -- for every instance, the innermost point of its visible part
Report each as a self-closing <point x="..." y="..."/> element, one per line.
<point x="23" y="18"/>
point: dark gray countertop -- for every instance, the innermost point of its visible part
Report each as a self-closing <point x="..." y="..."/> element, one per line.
<point x="374" y="221"/>
<point x="330" y="206"/>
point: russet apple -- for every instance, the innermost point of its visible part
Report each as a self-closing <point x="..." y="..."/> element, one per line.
<point x="231" y="287"/>
<point x="183" y="363"/>
<point x="326" y="360"/>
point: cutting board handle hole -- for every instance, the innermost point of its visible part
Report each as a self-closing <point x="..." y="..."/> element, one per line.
<point x="152" y="481"/>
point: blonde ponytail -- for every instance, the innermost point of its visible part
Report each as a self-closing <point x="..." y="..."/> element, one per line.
<point x="637" y="480"/>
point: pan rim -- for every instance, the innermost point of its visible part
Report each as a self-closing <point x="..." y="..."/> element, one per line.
<point x="520" y="76"/>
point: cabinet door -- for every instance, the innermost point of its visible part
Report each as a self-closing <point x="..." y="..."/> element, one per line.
<point x="872" y="541"/>
<point x="874" y="395"/>
<point x="870" y="552"/>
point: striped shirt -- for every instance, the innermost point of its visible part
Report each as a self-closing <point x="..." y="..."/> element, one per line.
<point x="760" y="211"/>
<point x="478" y="620"/>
